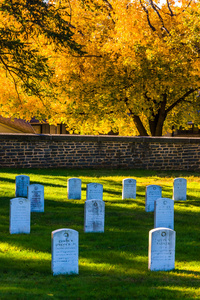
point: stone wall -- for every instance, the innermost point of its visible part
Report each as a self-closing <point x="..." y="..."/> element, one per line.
<point x="72" y="151"/>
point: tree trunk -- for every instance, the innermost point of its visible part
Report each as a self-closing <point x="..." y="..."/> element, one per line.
<point x="152" y="125"/>
<point x="140" y="127"/>
<point x="157" y="121"/>
<point x="156" y="125"/>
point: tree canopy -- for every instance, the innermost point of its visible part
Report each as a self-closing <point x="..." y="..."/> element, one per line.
<point x="139" y="73"/>
<point x="28" y="29"/>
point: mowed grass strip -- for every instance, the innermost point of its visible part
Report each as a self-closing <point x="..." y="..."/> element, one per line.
<point x="113" y="264"/>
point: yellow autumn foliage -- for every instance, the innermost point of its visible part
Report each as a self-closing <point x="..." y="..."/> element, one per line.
<point x="140" y="73"/>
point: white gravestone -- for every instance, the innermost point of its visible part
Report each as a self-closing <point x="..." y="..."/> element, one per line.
<point x="94" y="191"/>
<point x="36" y="197"/>
<point x="20" y="215"/>
<point x="65" y="245"/>
<point x="153" y="192"/>
<point x="94" y="216"/>
<point x="161" y="249"/>
<point x="179" y="189"/>
<point x="74" y="188"/>
<point x="21" y="185"/>
<point x="129" y="188"/>
<point x="164" y="213"/>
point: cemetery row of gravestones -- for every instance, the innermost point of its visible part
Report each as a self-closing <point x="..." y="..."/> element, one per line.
<point x="65" y="242"/>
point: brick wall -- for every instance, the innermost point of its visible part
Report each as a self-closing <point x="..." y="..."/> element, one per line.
<point x="71" y="151"/>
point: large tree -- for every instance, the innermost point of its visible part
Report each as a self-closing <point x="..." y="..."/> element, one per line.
<point x="138" y="72"/>
<point x="141" y="74"/>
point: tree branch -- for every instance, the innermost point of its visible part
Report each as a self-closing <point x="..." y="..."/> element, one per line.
<point x="147" y="13"/>
<point x="168" y="5"/>
<point x="13" y="78"/>
<point x="188" y="93"/>
<point x="159" y="16"/>
<point x="187" y="6"/>
<point x="108" y="4"/>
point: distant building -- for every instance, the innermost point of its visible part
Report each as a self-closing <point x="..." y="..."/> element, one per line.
<point x="8" y="125"/>
<point x="44" y="128"/>
<point x="191" y="131"/>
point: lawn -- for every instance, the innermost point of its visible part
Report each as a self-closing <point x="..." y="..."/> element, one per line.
<point x="113" y="264"/>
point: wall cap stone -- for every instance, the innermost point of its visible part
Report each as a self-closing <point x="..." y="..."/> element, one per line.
<point x="97" y="139"/>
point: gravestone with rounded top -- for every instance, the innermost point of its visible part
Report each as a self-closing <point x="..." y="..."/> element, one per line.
<point x="129" y="188"/>
<point x="74" y="188"/>
<point x="65" y="247"/>
<point x="20" y="215"/>
<point x="21" y="186"/>
<point x="94" y="191"/>
<point x="94" y="216"/>
<point x="36" y="196"/>
<point x="164" y="213"/>
<point x="180" y="189"/>
<point x="161" y="249"/>
<point x="153" y="192"/>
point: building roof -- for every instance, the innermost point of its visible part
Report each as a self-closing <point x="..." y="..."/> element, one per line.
<point x="17" y="124"/>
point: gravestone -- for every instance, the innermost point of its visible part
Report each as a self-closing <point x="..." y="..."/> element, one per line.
<point x="161" y="249"/>
<point x="36" y="197"/>
<point x="94" y="216"/>
<point x="153" y="192"/>
<point x="21" y="186"/>
<point x="129" y="188"/>
<point x="64" y="251"/>
<point x="94" y="191"/>
<point x="164" y="213"/>
<point x="179" y="189"/>
<point x="20" y="215"/>
<point x="74" y="188"/>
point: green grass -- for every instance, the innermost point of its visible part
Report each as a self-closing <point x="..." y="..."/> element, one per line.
<point x="113" y="264"/>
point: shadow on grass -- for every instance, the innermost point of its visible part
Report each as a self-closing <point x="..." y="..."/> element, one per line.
<point x="97" y="279"/>
<point x="5" y="179"/>
<point x="100" y="172"/>
<point x="193" y="273"/>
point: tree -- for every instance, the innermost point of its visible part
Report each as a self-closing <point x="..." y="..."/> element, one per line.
<point x="30" y="31"/>
<point x="141" y="72"/>
<point x="138" y="72"/>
